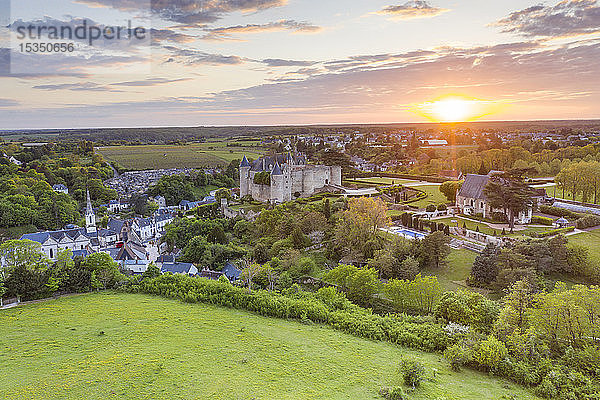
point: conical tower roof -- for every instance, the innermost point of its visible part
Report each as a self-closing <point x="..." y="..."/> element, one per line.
<point x="244" y="162"/>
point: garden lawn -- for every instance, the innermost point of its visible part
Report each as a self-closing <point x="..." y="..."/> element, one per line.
<point x="126" y="346"/>
<point x="483" y="228"/>
<point x="434" y="196"/>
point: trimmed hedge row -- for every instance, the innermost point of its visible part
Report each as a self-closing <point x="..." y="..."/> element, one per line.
<point x="413" y="332"/>
<point x="588" y="221"/>
<point x="553" y="232"/>
<point x="538" y="219"/>
<point x="560" y="212"/>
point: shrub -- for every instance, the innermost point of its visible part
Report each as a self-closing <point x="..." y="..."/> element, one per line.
<point x="587" y="221"/>
<point x="442" y="207"/>
<point x="412" y="371"/>
<point x="456" y="356"/>
<point x="538" y="219"/>
<point x="395" y="393"/>
<point x="430" y="208"/>
<point x="546" y="389"/>
<point x="490" y="353"/>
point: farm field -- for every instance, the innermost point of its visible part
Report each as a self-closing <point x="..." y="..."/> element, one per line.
<point x="194" y="155"/>
<point x="116" y="345"/>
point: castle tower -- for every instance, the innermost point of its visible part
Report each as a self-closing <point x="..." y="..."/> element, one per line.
<point x="90" y="217"/>
<point x="277" y="184"/>
<point x="244" y="177"/>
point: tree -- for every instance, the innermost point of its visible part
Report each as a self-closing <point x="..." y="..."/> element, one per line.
<point x="249" y="273"/>
<point x="105" y="271"/>
<point x="508" y="191"/>
<point x="359" y="226"/>
<point x="514" y="266"/>
<point x="151" y="272"/>
<point x="485" y="266"/>
<point x="21" y="253"/>
<point x="360" y="284"/>
<point x="515" y="314"/>
<point x="435" y="249"/>
<point x="450" y="188"/>
<point x="327" y="209"/>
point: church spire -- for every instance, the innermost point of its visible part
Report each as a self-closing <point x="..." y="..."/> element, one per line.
<point x="90" y="217"/>
<point x="88" y="207"/>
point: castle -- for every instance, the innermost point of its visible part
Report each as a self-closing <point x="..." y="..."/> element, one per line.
<point x="284" y="177"/>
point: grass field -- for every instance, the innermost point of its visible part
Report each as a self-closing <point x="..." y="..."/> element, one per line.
<point x="458" y="269"/>
<point x="194" y="155"/>
<point x="122" y="346"/>
<point x="591" y="240"/>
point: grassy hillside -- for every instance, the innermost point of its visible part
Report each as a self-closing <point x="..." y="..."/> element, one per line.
<point x="112" y="345"/>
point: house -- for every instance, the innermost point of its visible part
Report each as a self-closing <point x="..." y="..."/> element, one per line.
<point x="136" y="267"/>
<point x="179" y="268"/>
<point x="471" y="199"/>
<point x="161" y="201"/>
<point x="60" y="188"/>
<point x="434" y="142"/>
<point x="208" y="274"/>
<point x="231" y="272"/>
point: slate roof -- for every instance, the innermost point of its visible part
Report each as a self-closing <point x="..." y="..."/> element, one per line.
<point x="176" y="268"/>
<point x="244" y="162"/>
<point x="473" y="186"/>
<point x="267" y="163"/>
<point x="276" y="170"/>
<point x="59" y="186"/>
<point x="231" y="271"/>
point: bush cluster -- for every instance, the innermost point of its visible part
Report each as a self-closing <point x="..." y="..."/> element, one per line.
<point x="400" y="329"/>
<point x="588" y="221"/>
<point x="538" y="219"/>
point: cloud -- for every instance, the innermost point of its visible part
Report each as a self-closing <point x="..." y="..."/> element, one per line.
<point x="95" y="87"/>
<point x="150" y="82"/>
<point x="76" y="87"/>
<point x="168" y="35"/>
<point x="412" y="10"/>
<point x="196" y="57"/>
<point x="226" y="33"/>
<point x="7" y="103"/>
<point x="190" y="12"/>
<point x="278" y="62"/>
<point x="567" y="18"/>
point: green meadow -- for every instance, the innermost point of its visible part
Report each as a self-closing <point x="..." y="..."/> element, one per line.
<point x="193" y="155"/>
<point x="121" y="346"/>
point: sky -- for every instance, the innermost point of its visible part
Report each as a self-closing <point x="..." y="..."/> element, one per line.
<point x="276" y="62"/>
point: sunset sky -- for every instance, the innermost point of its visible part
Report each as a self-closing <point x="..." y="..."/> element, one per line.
<point x="265" y="62"/>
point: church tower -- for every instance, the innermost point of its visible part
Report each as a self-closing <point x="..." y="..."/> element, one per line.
<point x="244" y="177"/>
<point x="90" y="217"/>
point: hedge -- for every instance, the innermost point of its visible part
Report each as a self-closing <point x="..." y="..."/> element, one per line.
<point x="414" y="332"/>
<point x="560" y="212"/>
<point x="588" y="221"/>
<point x="537" y="219"/>
<point x="553" y="232"/>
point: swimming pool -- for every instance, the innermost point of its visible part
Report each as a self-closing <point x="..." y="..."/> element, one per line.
<point x="407" y="233"/>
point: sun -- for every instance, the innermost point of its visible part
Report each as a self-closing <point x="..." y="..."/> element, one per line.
<point x="450" y="109"/>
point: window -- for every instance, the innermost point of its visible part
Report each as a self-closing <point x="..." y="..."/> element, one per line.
<point x="51" y="253"/>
